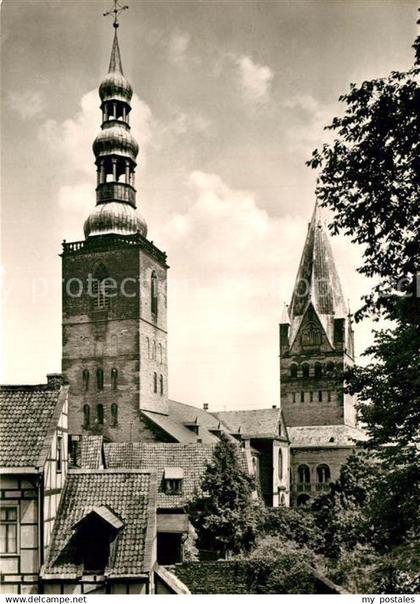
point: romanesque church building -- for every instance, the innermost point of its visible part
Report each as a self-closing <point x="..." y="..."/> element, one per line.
<point x="103" y="450"/>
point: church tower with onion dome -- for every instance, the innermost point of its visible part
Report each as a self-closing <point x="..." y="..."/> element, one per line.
<point x="115" y="289"/>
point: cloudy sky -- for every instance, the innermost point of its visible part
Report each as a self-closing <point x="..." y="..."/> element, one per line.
<point x="231" y="98"/>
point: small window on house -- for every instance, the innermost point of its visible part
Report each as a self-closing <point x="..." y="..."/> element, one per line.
<point x="330" y="367"/>
<point x="86" y="416"/>
<point x="85" y="378"/>
<point x="320" y="396"/>
<point x="305" y="370"/>
<point x="114" y="414"/>
<point x="293" y="371"/>
<point x="323" y="473"/>
<point x="302" y="397"/>
<point x="8" y="530"/>
<point x="304" y="475"/>
<point x="100" y="414"/>
<point x="318" y="370"/>
<point x="280" y="462"/>
<point x="114" y="378"/>
<point x="172" y="478"/>
<point x="154" y="293"/>
<point x="161" y="384"/>
<point x="100" y="379"/>
<point x="155" y="382"/>
<point x="59" y="458"/>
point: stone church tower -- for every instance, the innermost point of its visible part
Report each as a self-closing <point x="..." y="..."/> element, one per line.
<point x="114" y="289"/>
<point x="316" y="344"/>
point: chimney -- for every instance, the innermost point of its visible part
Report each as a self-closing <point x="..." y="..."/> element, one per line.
<point x="206" y="406"/>
<point x="54" y="381"/>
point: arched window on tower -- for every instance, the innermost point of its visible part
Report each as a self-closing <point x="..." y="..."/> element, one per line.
<point x="100" y="414"/>
<point x="304" y="475"/>
<point x="155" y="381"/>
<point x="100" y="378"/>
<point x="161" y="384"/>
<point x="310" y="336"/>
<point x="305" y="370"/>
<point x="102" y="288"/>
<point x="323" y="473"/>
<point x="293" y="371"/>
<point x="114" y="414"/>
<point x="302" y="397"/>
<point x="86" y="416"/>
<point x="318" y="370"/>
<point x="160" y="354"/>
<point x="148" y="347"/>
<point x="154" y="293"/>
<point x="85" y="378"/>
<point x="114" y="378"/>
<point x="154" y="350"/>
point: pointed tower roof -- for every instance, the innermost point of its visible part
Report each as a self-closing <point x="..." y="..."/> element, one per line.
<point x="115" y="63"/>
<point x="317" y="281"/>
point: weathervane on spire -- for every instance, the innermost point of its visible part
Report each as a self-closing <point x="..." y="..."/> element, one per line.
<point x="116" y="11"/>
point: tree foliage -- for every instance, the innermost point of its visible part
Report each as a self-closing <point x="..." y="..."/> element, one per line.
<point x="224" y="512"/>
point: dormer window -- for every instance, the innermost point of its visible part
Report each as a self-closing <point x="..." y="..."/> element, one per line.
<point x="172" y="481"/>
<point x="93" y="536"/>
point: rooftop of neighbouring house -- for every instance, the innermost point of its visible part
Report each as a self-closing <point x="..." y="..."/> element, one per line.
<point x="325" y="436"/>
<point x="254" y="423"/>
<point x="126" y="500"/>
<point x="28" y="419"/>
<point x="189" y="460"/>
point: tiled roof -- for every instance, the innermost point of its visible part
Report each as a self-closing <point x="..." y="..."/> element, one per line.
<point x="129" y="495"/>
<point x="91" y="452"/>
<point x="252" y="422"/>
<point x="324" y="436"/>
<point x="28" y="417"/>
<point x="181" y="414"/>
<point x="192" y="458"/>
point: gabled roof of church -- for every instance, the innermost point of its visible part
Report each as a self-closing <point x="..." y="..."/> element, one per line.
<point x="28" y="419"/>
<point x="317" y="281"/>
<point x="129" y="496"/>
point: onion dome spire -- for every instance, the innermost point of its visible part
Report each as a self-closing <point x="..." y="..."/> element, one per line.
<point x="116" y="152"/>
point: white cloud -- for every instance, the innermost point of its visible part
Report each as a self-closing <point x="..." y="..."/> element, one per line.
<point x="233" y="266"/>
<point x="74" y="137"/>
<point x="178" y="46"/>
<point x="255" y="79"/>
<point x="27" y="103"/>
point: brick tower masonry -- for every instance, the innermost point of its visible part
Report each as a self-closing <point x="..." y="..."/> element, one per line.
<point x="114" y="290"/>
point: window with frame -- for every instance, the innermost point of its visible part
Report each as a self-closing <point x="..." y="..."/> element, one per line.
<point x="85" y="378"/>
<point x="302" y="397"/>
<point x="154" y="293"/>
<point x="304" y="474"/>
<point x="86" y="416"/>
<point x="173" y="486"/>
<point x="114" y="378"/>
<point x="155" y="382"/>
<point x="324" y="473"/>
<point x="100" y="378"/>
<point x="293" y="371"/>
<point x="161" y="384"/>
<point x="8" y="530"/>
<point x="100" y="414"/>
<point x="114" y="414"/>
<point x="320" y="396"/>
<point x="59" y="456"/>
<point x="101" y="289"/>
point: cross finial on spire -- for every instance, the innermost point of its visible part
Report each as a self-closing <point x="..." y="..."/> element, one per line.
<point x="116" y="11"/>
